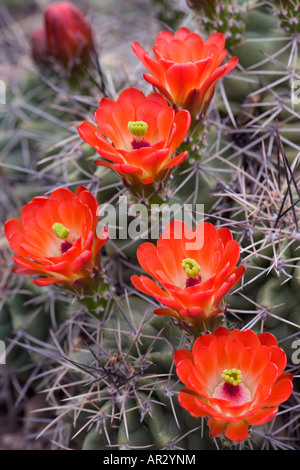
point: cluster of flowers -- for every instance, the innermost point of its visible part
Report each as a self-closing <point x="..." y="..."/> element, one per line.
<point x="234" y="378"/>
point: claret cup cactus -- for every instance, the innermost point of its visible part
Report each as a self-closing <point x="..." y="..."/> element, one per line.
<point x="176" y="123"/>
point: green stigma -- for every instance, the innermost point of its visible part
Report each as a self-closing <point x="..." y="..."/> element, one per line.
<point x="137" y="128"/>
<point x="232" y="376"/>
<point x="60" y="230"/>
<point x="191" y="267"/>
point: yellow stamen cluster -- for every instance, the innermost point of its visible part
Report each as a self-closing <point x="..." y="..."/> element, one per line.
<point x="137" y="128"/>
<point x="60" y="230"/>
<point x="232" y="376"/>
<point x="191" y="267"/>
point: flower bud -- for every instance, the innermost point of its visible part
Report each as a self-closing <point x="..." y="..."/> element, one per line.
<point x="39" y="47"/>
<point x="68" y="35"/>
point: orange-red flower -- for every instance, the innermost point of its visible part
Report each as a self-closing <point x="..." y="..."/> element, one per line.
<point x="186" y="69"/>
<point x="56" y="237"/>
<point x="137" y="136"/>
<point x="235" y="378"/>
<point x="195" y="269"/>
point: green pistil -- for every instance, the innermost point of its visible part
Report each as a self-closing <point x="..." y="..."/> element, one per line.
<point x="191" y="267"/>
<point x="137" y="128"/>
<point x="232" y="376"/>
<point x="60" y="230"/>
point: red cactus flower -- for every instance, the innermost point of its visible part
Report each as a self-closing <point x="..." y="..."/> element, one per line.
<point x="195" y="269"/>
<point x="143" y="132"/>
<point x="186" y="69"/>
<point x="68" y="34"/>
<point x="56" y="237"/>
<point x="235" y="379"/>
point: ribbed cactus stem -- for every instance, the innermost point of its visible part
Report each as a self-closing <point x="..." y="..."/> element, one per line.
<point x="287" y="14"/>
<point x="196" y="141"/>
<point x="93" y="294"/>
<point x="224" y="16"/>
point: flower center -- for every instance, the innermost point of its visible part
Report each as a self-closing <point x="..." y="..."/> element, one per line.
<point x="62" y="232"/>
<point x="232" y="388"/>
<point x="192" y="269"/>
<point x="138" y="129"/>
<point x="65" y="246"/>
<point x="232" y="376"/>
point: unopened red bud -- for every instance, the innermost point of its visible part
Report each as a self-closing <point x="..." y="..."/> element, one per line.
<point x="68" y="34"/>
<point x="39" y="46"/>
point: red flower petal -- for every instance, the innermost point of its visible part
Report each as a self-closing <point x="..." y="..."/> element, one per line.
<point x="237" y="431"/>
<point x="281" y="391"/>
<point x="182" y="354"/>
<point x="216" y="427"/>
<point x="188" y="401"/>
<point x="45" y="282"/>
